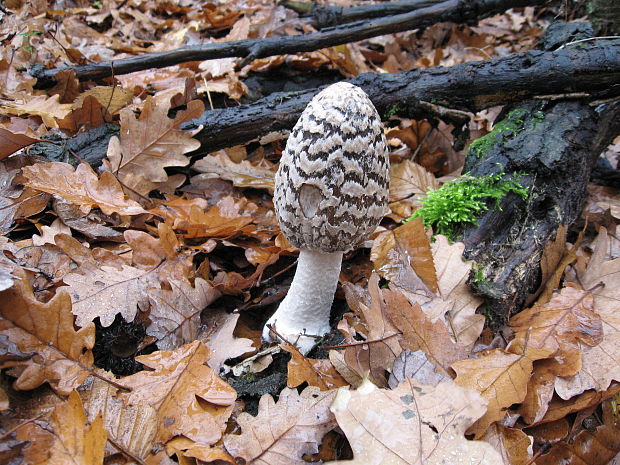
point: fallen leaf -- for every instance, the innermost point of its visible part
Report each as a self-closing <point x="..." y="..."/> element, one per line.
<point x="82" y="187"/>
<point x="220" y="340"/>
<point x="283" y="432"/>
<point x="189" y="398"/>
<point x="242" y="174"/>
<point x="152" y="142"/>
<point x="175" y="313"/>
<point x="63" y="355"/>
<point x="501" y="378"/>
<point x="512" y="444"/>
<point x="319" y="373"/>
<point x="562" y="327"/>
<point x="426" y="424"/>
<point x="601" y="363"/>
<point x="76" y="443"/>
<point x="409" y="182"/>
<point x="11" y="142"/>
<point x="420" y="333"/>
<point x="112" y="98"/>
<point x="403" y="256"/>
<point x="48" y="108"/>
<point x="416" y="366"/>
<point x="105" y="291"/>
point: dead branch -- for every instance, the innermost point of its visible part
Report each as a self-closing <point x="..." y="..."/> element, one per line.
<point x="250" y="49"/>
<point x="471" y="86"/>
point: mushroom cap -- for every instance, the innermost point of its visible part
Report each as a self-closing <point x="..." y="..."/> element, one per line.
<point x="332" y="183"/>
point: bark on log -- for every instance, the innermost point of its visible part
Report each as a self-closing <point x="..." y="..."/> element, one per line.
<point x="593" y="69"/>
<point x="552" y="157"/>
<point x="251" y="49"/>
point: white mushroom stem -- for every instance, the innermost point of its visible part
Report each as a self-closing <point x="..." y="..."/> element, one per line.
<point x="303" y="315"/>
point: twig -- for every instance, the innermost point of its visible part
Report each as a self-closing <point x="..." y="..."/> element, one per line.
<point x="126" y="452"/>
<point x="251" y="49"/>
<point x="361" y="343"/>
<point x="15" y="428"/>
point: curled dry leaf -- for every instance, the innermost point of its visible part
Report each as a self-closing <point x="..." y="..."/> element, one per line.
<point x="242" y="174"/>
<point x="105" y="291"/>
<point x="132" y="426"/>
<point x="63" y="355"/>
<point x="188" y="396"/>
<point x="319" y="373"/>
<point x="403" y="256"/>
<point x="11" y="142"/>
<point x="601" y="363"/>
<point x="151" y="142"/>
<point x="75" y="443"/>
<point x="420" y="333"/>
<point x="175" y="313"/>
<point x="283" y="432"/>
<point x="512" y="444"/>
<point x="371" y="322"/>
<point x="82" y="187"/>
<point x="426" y="424"/>
<point x="563" y="327"/>
<point x="501" y="378"/>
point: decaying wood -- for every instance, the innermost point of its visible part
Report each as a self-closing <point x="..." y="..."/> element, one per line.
<point x="474" y="86"/>
<point x="552" y="158"/>
<point x="251" y="49"/>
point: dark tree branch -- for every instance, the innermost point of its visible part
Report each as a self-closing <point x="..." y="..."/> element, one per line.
<point x="251" y="49"/>
<point x="472" y="86"/>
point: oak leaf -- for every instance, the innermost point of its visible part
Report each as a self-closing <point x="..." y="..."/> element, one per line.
<point x="175" y="313"/>
<point x="11" y="142"/>
<point x="76" y="443"/>
<point x="63" y="354"/>
<point x="189" y="398"/>
<point x="512" y="444"/>
<point x="219" y="338"/>
<point x="105" y="291"/>
<point x="48" y="108"/>
<point x="242" y="174"/>
<point x="601" y="363"/>
<point x="82" y="187"/>
<point x="319" y="373"/>
<point x="426" y="424"/>
<point x="151" y="142"/>
<point x="409" y="183"/>
<point x="283" y="432"/>
<point x="563" y="327"/>
<point x="501" y="378"/>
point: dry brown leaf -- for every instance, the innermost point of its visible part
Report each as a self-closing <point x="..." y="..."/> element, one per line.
<point x="82" y="187"/>
<point x="562" y="327"/>
<point x="175" y="313"/>
<point x="76" y="443"/>
<point x="409" y="182"/>
<point x="553" y="252"/>
<point x="501" y="378"/>
<point x="512" y="444"/>
<point x="420" y="333"/>
<point x="67" y="86"/>
<point x="111" y="98"/>
<point x="595" y="446"/>
<point x="403" y="257"/>
<point x="62" y="354"/>
<point x="16" y="200"/>
<point x="412" y="424"/>
<point x="151" y="142"/>
<point x="371" y="323"/>
<point x="105" y="291"/>
<point x="11" y="142"/>
<point x="48" y="108"/>
<point x="220" y="340"/>
<point x="283" y="432"/>
<point x="48" y="233"/>
<point x="414" y="365"/>
<point x="242" y="174"/>
<point x="40" y="439"/>
<point x="148" y="251"/>
<point x="189" y="398"/>
<point x="90" y="114"/>
<point x="319" y="373"/>
<point x="132" y="426"/>
<point x="600" y="364"/>
<point x="225" y="219"/>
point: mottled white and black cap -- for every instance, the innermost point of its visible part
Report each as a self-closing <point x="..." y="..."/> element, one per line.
<point x="332" y="184"/>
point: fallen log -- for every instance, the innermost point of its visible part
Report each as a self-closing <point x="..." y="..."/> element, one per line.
<point x="551" y="152"/>
<point x="251" y="49"/>
<point x="593" y="70"/>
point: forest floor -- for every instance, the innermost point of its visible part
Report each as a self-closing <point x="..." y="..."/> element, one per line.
<point x="134" y="286"/>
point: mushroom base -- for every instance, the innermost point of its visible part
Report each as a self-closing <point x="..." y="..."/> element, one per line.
<point x="303" y="316"/>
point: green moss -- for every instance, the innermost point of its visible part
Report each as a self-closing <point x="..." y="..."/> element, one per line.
<point x="463" y="201"/>
<point x="502" y="131"/>
<point x="394" y="110"/>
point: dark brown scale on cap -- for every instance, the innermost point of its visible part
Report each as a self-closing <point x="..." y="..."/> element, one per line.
<point x="332" y="184"/>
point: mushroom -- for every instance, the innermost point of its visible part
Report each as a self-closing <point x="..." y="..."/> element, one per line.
<point x="331" y="193"/>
